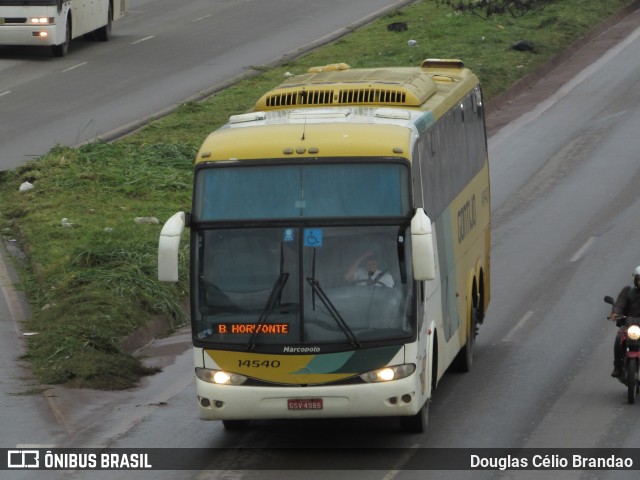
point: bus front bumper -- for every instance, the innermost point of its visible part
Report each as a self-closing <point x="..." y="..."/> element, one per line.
<point x="228" y="402"/>
<point x="30" y="35"/>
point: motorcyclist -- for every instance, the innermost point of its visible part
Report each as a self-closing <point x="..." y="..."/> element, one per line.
<point x="627" y="304"/>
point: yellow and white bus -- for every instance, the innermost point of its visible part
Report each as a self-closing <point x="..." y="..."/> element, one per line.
<point x="54" y="23"/>
<point x="339" y="245"/>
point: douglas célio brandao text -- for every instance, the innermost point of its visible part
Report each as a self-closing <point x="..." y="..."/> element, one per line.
<point x="550" y="462"/>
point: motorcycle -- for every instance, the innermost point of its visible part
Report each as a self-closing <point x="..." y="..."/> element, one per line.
<point x="630" y="340"/>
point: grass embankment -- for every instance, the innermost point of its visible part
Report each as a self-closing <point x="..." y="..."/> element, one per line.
<point x="92" y="283"/>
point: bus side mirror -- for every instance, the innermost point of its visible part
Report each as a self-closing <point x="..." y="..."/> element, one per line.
<point x="424" y="265"/>
<point x="168" y="247"/>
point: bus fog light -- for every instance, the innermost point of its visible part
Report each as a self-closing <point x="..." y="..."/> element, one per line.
<point x="204" y="402"/>
<point x="406" y="398"/>
<point x="388" y="374"/>
<point x="220" y="377"/>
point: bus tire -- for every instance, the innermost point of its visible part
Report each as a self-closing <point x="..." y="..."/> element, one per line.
<point x="62" y="49"/>
<point x="235" y="424"/>
<point x="464" y="359"/>
<point x="103" y="34"/>
<point x="416" y="423"/>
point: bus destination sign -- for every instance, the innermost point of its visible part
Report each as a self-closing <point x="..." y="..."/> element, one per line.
<point x="250" y="328"/>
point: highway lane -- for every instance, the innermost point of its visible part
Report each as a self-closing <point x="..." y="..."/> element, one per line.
<point x="161" y="53"/>
<point x="565" y="190"/>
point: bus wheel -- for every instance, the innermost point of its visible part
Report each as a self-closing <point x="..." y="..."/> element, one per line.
<point x="235" y="424"/>
<point x="416" y="423"/>
<point x="464" y="360"/>
<point x="62" y="49"/>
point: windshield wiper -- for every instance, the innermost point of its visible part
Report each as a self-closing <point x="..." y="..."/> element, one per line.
<point x="274" y="298"/>
<point x="317" y="289"/>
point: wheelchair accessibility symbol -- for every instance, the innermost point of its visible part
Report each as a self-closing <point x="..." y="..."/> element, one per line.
<point x="312" y="237"/>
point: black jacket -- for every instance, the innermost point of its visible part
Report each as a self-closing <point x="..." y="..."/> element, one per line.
<point x="628" y="302"/>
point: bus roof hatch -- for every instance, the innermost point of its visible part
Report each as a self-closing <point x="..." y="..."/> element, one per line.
<point x="406" y="87"/>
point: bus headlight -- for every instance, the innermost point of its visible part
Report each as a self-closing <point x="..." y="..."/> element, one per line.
<point x="388" y="374"/>
<point x="633" y="332"/>
<point x="41" y="20"/>
<point x="219" y="377"/>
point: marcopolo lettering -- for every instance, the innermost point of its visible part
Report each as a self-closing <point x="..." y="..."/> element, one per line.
<point x="301" y="349"/>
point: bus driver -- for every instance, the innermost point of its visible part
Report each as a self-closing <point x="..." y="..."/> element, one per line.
<point x="370" y="274"/>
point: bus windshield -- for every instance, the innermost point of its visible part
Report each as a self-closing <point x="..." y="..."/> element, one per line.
<point x="327" y="190"/>
<point x="302" y="285"/>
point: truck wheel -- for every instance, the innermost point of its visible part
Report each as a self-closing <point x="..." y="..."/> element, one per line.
<point x="103" y="34"/>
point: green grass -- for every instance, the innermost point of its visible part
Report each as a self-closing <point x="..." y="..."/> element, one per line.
<point x="93" y="283"/>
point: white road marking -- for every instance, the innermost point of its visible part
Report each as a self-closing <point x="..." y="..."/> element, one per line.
<point x="518" y="326"/>
<point x="143" y="39"/>
<point x="580" y="253"/>
<point x="402" y="461"/>
<point x="74" y="67"/>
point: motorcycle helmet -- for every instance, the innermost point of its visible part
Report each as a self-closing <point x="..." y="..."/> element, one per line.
<point x="636" y="272"/>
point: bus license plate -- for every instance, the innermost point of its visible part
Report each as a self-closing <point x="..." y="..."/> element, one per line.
<point x="305" y="403"/>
